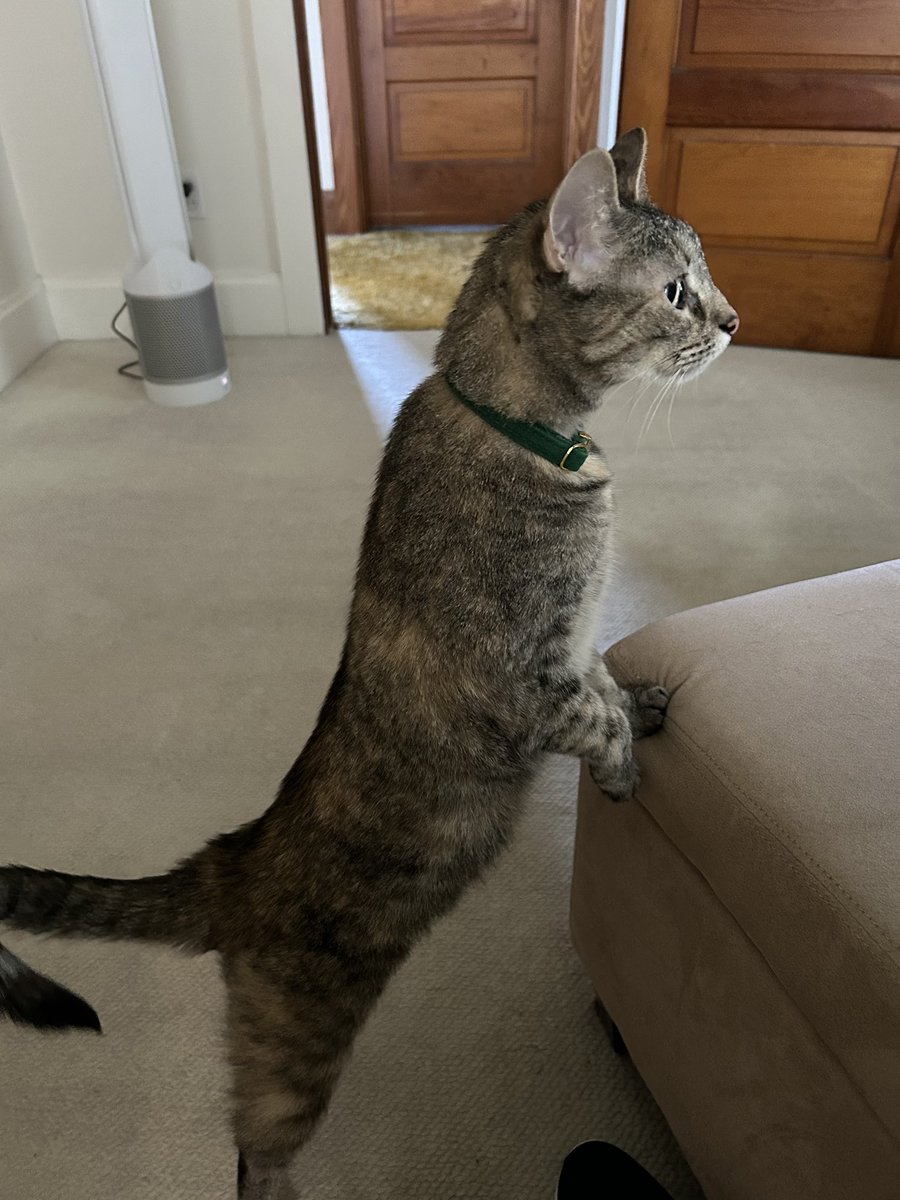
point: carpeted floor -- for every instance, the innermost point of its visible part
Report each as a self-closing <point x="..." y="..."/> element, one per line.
<point x="398" y="279"/>
<point x="174" y="587"/>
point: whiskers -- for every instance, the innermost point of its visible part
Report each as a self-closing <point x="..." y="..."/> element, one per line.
<point x="674" y="369"/>
<point x="668" y="390"/>
<point x="667" y="374"/>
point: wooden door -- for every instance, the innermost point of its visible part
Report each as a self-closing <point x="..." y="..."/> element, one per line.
<point x="774" y="129"/>
<point x="463" y="107"/>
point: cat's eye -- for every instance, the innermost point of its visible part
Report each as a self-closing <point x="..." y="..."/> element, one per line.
<point x="675" y="293"/>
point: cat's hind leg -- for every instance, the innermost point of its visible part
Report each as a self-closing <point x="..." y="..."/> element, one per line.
<point x="289" y="1035"/>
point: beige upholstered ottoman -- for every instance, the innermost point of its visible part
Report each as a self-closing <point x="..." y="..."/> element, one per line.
<point x="740" y="920"/>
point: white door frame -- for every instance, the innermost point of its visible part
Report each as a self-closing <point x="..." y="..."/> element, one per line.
<point x="611" y="72"/>
<point x="287" y="154"/>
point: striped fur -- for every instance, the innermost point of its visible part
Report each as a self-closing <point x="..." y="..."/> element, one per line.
<point x="467" y="660"/>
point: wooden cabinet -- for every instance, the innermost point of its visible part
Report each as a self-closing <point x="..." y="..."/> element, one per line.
<point x="774" y="129"/>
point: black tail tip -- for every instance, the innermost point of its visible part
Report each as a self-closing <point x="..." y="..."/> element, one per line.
<point x="31" y="999"/>
<point x="57" y="1009"/>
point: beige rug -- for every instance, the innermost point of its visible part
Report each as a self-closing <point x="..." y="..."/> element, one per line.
<point x="398" y="279"/>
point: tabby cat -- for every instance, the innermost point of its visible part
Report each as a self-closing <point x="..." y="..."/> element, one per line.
<point x="469" y="656"/>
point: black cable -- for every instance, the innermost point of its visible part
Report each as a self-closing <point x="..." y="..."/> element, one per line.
<point x="124" y="369"/>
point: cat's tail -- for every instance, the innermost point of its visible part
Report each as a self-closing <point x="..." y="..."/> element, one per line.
<point x="31" y="999"/>
<point x="161" y="908"/>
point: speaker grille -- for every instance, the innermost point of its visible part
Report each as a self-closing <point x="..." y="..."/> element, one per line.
<point x="179" y="337"/>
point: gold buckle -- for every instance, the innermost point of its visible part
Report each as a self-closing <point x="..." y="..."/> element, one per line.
<point x="584" y="442"/>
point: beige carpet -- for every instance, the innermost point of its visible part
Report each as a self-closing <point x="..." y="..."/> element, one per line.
<point x="174" y="586"/>
<point x="398" y="279"/>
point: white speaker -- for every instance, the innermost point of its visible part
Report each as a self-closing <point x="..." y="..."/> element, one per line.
<point x="172" y="305"/>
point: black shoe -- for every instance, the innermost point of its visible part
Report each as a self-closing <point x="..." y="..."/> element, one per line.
<point x="599" y="1171"/>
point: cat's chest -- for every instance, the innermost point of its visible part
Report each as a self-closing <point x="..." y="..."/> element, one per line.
<point x="588" y="557"/>
<point x="582" y="635"/>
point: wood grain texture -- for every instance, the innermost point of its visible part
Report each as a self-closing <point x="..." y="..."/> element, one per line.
<point x="777" y="124"/>
<point x="470" y="119"/>
<point x="584" y="52"/>
<point x="803" y="301"/>
<point x="372" y="109"/>
<point x="461" y="21"/>
<point x="477" y="139"/>
<point x="887" y="334"/>
<point x="781" y="27"/>
<point x="345" y="212"/>
<point x="651" y="39"/>
<point x="784" y="99"/>
<point x="329" y="214"/>
<point x="881" y="59"/>
<point x="498" y="60"/>
<point x="764" y="187"/>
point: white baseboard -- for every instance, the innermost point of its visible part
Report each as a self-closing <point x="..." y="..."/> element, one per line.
<point x="26" y="330"/>
<point x="83" y="309"/>
<point x="249" y="306"/>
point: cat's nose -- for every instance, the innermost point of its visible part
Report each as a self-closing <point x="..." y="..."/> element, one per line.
<point x="731" y="323"/>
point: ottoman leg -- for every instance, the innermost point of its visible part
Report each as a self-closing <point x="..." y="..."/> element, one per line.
<point x="612" y="1030"/>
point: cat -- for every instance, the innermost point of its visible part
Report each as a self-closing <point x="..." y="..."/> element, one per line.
<point x="469" y="656"/>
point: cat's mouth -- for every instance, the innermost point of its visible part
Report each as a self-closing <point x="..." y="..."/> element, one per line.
<point x="691" y="361"/>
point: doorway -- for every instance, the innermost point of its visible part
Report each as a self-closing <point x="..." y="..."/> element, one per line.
<point x="433" y="124"/>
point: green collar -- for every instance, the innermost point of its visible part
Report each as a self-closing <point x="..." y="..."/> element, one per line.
<point x="568" y="453"/>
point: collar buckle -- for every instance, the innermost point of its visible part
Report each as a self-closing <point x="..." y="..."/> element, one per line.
<point x="582" y="441"/>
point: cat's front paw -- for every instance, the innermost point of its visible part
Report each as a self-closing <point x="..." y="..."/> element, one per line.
<point x="619" y="784"/>
<point x="647" y="710"/>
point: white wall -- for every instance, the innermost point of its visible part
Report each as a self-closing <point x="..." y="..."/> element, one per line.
<point x="26" y="327"/>
<point x="231" y="74"/>
<point x="214" y="102"/>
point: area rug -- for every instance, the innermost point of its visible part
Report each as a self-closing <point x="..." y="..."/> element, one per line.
<point x="398" y="278"/>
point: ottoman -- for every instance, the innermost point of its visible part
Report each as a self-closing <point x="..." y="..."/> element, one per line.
<point x="740" y="919"/>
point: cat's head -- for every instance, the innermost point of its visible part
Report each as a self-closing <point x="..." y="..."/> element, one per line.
<point x="628" y="283"/>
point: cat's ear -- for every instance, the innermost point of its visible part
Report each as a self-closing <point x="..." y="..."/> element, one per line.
<point x="579" y="234"/>
<point x="630" y="156"/>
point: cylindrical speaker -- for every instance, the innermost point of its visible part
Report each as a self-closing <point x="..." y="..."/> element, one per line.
<point x="175" y="320"/>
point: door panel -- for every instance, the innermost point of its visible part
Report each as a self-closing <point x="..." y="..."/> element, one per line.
<point x="480" y="118"/>
<point x="417" y="63"/>
<point x="775" y="128"/>
<point x="784" y="99"/>
<point x="803" y="301"/>
<point x="800" y="27"/>
<point x="470" y="19"/>
<point x="781" y="187"/>
<point x="463" y="107"/>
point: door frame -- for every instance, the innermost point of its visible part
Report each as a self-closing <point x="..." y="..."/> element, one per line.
<point x="651" y="46"/>
<point x="346" y="209"/>
<point x="312" y="152"/>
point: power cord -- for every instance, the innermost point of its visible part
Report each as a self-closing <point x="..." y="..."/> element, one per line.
<point x="124" y="369"/>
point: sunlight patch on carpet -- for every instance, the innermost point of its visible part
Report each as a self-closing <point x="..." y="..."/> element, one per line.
<point x="398" y="279"/>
